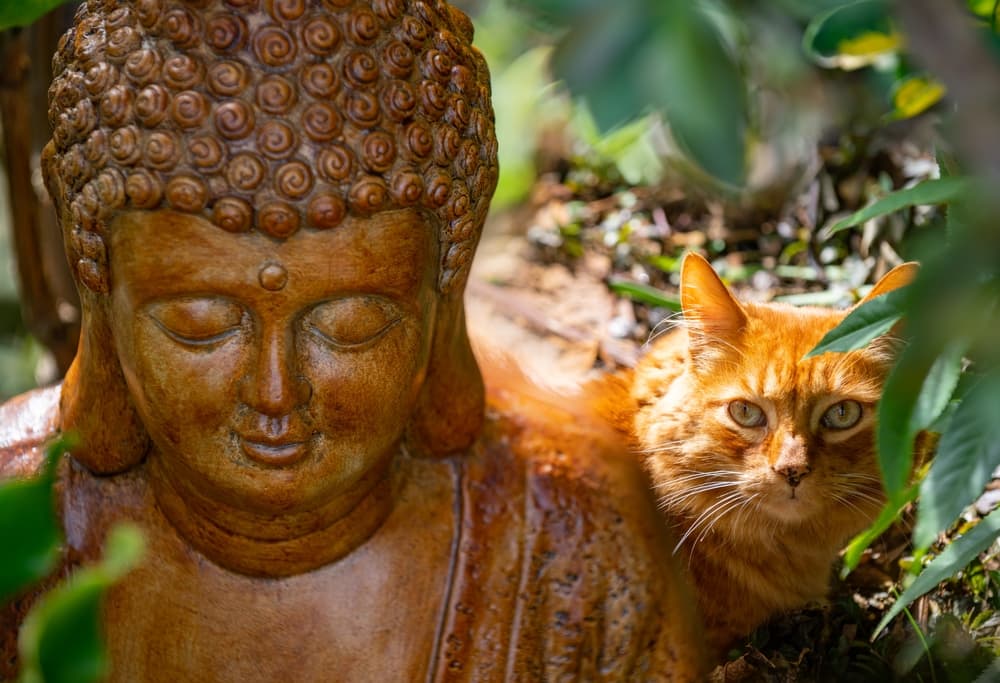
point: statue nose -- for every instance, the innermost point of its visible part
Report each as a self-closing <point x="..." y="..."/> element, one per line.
<point x="793" y="461"/>
<point x="274" y="387"/>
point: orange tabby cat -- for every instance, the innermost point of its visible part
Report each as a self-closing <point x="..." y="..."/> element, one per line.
<point x="763" y="459"/>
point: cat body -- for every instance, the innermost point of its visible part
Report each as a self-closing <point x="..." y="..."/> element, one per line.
<point x="763" y="459"/>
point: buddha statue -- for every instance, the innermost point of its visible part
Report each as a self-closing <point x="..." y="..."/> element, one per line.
<point x="270" y="208"/>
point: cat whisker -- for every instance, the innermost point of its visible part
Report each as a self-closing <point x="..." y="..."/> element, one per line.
<point x="846" y="503"/>
<point x="735" y="506"/>
<point x="743" y="508"/>
<point x="704" y="471"/>
<point x="725" y="342"/>
<point x="864" y="491"/>
<point x="844" y="497"/>
<point x="707" y="514"/>
<point x="659" y="448"/>
<point x="673" y="500"/>
<point x="857" y="476"/>
<point x="714" y="474"/>
<point x="694" y="490"/>
<point x="668" y="324"/>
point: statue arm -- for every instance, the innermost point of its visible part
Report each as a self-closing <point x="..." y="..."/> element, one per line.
<point x="564" y="569"/>
<point x="27" y="423"/>
<point x="623" y="610"/>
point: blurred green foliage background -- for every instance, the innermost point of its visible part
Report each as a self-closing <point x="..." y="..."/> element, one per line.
<point x="20" y="354"/>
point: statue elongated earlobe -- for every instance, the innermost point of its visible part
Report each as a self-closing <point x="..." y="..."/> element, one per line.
<point x="95" y="402"/>
<point x="449" y="411"/>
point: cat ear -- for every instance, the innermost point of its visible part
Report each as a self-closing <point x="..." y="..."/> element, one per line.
<point x="900" y="276"/>
<point x="711" y="313"/>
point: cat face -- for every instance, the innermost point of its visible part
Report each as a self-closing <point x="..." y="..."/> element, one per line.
<point x="745" y="432"/>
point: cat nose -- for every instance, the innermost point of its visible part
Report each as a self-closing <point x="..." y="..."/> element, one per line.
<point x="793" y="473"/>
<point x="792" y="463"/>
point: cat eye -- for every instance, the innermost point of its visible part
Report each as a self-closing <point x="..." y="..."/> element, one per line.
<point x="197" y="321"/>
<point x="352" y="323"/>
<point x="843" y="415"/>
<point x="747" y="414"/>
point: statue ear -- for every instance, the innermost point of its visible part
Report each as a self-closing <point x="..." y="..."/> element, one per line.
<point x="714" y="319"/>
<point x="449" y="412"/>
<point x="95" y="401"/>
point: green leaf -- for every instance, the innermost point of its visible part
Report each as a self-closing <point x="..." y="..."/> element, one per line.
<point x="869" y="320"/>
<point x="851" y="36"/>
<point x="29" y="532"/>
<point x="627" y="58"/>
<point x="890" y="513"/>
<point x="939" y="385"/>
<point x="967" y="456"/>
<point x="518" y="91"/>
<point x="644" y="294"/>
<point x="915" y="95"/>
<point x="951" y="560"/>
<point x="935" y="191"/>
<point x="690" y="74"/>
<point x="596" y="60"/>
<point x="24" y="12"/>
<point x="985" y="9"/>
<point x="60" y="641"/>
<point x="897" y="428"/>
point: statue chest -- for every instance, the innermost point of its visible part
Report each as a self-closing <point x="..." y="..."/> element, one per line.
<point x="374" y="615"/>
<point x="169" y="625"/>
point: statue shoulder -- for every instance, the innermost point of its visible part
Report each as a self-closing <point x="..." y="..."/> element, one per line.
<point x="27" y="423"/>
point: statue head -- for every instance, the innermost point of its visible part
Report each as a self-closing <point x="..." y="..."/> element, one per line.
<point x="270" y="208"/>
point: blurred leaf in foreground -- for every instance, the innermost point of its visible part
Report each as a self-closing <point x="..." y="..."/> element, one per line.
<point x="519" y="90"/>
<point x="24" y="12"/>
<point x="868" y="321"/>
<point x="966" y="458"/>
<point x="29" y="532"/>
<point x="60" y="641"/>
<point x="627" y="59"/>
<point x="890" y="513"/>
<point x="899" y="419"/>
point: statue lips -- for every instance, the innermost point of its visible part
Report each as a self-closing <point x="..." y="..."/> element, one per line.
<point x="270" y="452"/>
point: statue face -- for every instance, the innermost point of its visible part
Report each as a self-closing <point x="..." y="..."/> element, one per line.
<point x="272" y="376"/>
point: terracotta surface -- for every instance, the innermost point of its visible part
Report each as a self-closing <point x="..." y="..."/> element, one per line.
<point x="270" y="212"/>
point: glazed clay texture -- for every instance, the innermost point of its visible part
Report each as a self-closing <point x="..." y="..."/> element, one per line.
<point x="270" y="209"/>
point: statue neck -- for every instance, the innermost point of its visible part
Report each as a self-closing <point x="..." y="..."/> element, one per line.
<point x="274" y="545"/>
